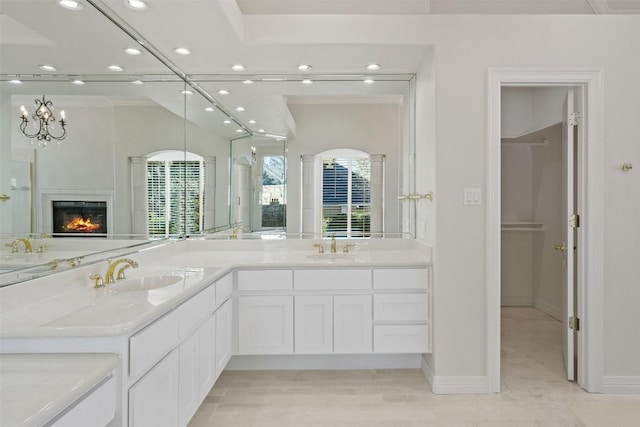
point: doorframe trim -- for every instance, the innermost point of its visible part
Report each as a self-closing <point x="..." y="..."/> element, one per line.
<point x="591" y="233"/>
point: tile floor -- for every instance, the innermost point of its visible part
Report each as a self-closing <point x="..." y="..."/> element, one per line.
<point x="534" y="393"/>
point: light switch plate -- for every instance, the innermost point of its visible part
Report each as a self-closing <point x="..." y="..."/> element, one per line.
<point x="472" y="196"/>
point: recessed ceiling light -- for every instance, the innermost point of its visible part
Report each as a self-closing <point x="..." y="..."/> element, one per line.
<point x="136" y="4"/>
<point x="46" y="67"/>
<point x="307" y="82"/>
<point x="115" y="68"/>
<point x="239" y="130"/>
<point x="137" y="82"/>
<point x="238" y="67"/>
<point x="186" y="92"/>
<point x="209" y="109"/>
<point x="70" y="4"/>
<point x="261" y="130"/>
<point x="369" y="81"/>
<point x="252" y="122"/>
<point x="15" y="82"/>
<point x="133" y="51"/>
<point x="226" y="122"/>
<point x="182" y="51"/>
<point x="239" y="108"/>
<point x="304" y="67"/>
<point x="223" y="92"/>
<point x="247" y="82"/>
<point x="373" y="67"/>
<point x="77" y="82"/>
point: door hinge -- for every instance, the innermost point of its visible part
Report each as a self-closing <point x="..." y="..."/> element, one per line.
<point x="575" y="118"/>
<point x="574" y="323"/>
<point x="574" y="221"/>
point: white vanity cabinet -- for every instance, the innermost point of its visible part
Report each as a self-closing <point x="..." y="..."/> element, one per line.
<point x="265" y="324"/>
<point x="170" y="392"/>
<point x="352" y="324"/>
<point x="401" y="310"/>
<point x="313" y="324"/>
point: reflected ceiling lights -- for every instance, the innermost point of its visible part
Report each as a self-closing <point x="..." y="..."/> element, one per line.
<point x="15" y="82"/>
<point x="223" y="92"/>
<point x="44" y="122"/>
<point x="307" y="81"/>
<point x="182" y="51"/>
<point x="133" y="51"/>
<point x="369" y="81"/>
<point x="238" y="67"/>
<point x="70" y="4"/>
<point x="247" y="82"/>
<point x="252" y="122"/>
<point x="46" y="67"/>
<point x="239" y="108"/>
<point x="209" y="109"/>
<point x="136" y="4"/>
<point x="304" y="67"/>
<point x="373" y="67"/>
<point x="77" y="82"/>
<point x="239" y="130"/>
<point x="137" y="82"/>
<point x="226" y="122"/>
<point x="186" y="92"/>
<point x="115" y="67"/>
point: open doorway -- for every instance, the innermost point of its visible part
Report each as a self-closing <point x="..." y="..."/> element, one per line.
<point x="589" y="182"/>
<point x="535" y="288"/>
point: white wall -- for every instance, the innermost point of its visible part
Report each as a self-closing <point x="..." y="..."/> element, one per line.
<point x="373" y="128"/>
<point x="465" y="48"/>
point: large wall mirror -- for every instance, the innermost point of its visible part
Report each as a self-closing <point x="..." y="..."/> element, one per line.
<point x="134" y="119"/>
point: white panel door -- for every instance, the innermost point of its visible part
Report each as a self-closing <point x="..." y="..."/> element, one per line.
<point x="153" y="401"/>
<point x="265" y="324"/>
<point x="207" y="356"/>
<point x="352" y="324"/>
<point x="313" y="324"/>
<point x="224" y="336"/>
<point x="188" y="400"/>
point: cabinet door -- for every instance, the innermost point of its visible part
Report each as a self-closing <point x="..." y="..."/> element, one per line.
<point x="224" y="337"/>
<point x="265" y="324"/>
<point x="188" y="388"/>
<point x="153" y="401"/>
<point x="352" y="324"/>
<point x="314" y="324"/>
<point x="207" y="358"/>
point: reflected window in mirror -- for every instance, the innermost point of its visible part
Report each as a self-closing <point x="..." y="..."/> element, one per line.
<point x="273" y="192"/>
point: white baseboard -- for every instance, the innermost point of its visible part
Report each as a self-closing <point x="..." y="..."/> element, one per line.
<point x="454" y="385"/>
<point x="550" y="309"/>
<point x="319" y="362"/>
<point x="621" y="385"/>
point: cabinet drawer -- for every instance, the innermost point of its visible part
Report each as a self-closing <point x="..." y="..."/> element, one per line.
<point x="151" y="344"/>
<point x="401" y="307"/>
<point x="195" y="310"/>
<point x="332" y="279"/>
<point x="261" y="280"/>
<point x="224" y="288"/>
<point x="401" y="278"/>
<point x="401" y="339"/>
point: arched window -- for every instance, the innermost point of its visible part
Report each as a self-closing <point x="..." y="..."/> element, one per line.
<point x="175" y="190"/>
<point x="346" y="193"/>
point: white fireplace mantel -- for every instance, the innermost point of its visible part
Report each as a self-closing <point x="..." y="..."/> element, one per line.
<point x="44" y="218"/>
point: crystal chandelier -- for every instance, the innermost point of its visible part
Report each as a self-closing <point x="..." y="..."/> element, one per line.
<point x="44" y="123"/>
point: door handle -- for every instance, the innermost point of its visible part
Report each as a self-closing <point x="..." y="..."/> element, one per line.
<point x="560" y="248"/>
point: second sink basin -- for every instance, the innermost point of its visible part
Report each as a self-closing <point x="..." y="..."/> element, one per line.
<point x="145" y="283"/>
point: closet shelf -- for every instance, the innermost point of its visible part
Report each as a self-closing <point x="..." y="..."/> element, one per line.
<point x="522" y="226"/>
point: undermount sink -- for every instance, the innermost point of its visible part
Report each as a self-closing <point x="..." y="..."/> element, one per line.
<point x="337" y="256"/>
<point x="145" y="283"/>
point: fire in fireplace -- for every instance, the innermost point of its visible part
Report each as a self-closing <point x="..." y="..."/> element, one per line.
<point x="79" y="217"/>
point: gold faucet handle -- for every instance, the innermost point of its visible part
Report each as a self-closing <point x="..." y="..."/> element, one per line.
<point x="121" y="275"/>
<point x="98" y="282"/>
<point x="320" y="248"/>
<point x="346" y="247"/>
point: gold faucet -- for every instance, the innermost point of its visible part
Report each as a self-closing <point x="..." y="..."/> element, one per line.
<point x="14" y="245"/>
<point x="108" y="278"/>
<point x="333" y="243"/>
<point x="235" y="232"/>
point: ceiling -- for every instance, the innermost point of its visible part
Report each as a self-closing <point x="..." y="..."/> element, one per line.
<point x="81" y="44"/>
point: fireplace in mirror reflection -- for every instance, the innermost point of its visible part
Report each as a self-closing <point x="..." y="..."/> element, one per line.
<point x="79" y="217"/>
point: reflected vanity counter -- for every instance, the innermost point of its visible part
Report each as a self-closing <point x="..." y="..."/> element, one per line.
<point x="183" y="289"/>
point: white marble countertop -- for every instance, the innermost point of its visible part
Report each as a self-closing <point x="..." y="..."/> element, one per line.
<point x="34" y="388"/>
<point x="67" y="305"/>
